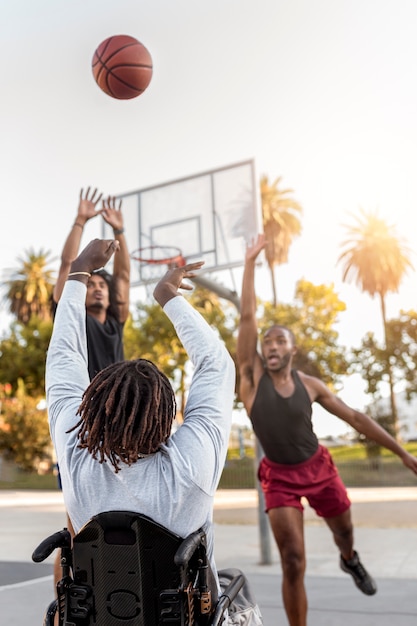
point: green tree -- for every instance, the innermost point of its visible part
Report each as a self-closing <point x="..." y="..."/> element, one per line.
<point x="312" y="317"/>
<point x="402" y="334"/>
<point x="376" y="259"/>
<point x="23" y="353"/>
<point x="281" y="224"/>
<point x="24" y="430"/>
<point x="374" y="360"/>
<point x="29" y="287"/>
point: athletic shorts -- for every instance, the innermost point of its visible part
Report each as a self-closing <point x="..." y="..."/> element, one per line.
<point x="316" y="479"/>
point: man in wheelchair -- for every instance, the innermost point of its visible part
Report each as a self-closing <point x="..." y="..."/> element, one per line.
<point x="140" y="498"/>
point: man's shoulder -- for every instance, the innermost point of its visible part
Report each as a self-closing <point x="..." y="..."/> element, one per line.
<point x="313" y="383"/>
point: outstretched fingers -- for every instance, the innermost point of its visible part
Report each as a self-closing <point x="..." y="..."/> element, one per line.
<point x="111" y="203"/>
<point x="95" y="200"/>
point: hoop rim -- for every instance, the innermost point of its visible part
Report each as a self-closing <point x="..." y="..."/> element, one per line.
<point x="143" y="255"/>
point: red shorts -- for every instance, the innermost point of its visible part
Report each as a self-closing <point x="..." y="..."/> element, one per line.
<point x="316" y="479"/>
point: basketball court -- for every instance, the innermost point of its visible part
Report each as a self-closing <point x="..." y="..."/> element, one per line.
<point x="386" y="539"/>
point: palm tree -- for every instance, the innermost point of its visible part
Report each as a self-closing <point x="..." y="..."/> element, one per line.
<point x="29" y="287"/>
<point x="280" y="217"/>
<point x="376" y="259"/>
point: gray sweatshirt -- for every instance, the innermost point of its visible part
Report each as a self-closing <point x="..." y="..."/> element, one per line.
<point x="176" y="485"/>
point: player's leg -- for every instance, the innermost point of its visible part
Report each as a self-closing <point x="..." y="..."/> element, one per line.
<point x="332" y="503"/>
<point x="287" y="525"/>
<point x="342" y="529"/>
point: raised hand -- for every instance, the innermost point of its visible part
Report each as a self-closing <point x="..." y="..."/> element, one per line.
<point x="87" y="205"/>
<point x="95" y="255"/>
<point x="173" y="280"/>
<point x="112" y="213"/>
<point x="255" y="247"/>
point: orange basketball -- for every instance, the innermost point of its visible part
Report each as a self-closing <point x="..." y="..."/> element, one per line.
<point x="122" y="67"/>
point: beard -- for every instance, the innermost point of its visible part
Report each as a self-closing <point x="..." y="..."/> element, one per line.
<point x="97" y="305"/>
<point x="281" y="364"/>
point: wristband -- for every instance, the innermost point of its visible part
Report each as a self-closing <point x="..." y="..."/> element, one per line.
<point x="79" y="274"/>
<point x="78" y="224"/>
<point x="118" y="231"/>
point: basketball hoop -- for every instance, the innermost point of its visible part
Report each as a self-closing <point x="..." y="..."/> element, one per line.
<point x="152" y="259"/>
<point x="159" y="255"/>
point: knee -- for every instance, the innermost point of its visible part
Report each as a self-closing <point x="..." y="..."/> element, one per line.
<point x="293" y="564"/>
<point x="344" y="531"/>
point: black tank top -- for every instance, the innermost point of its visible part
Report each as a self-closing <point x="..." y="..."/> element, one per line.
<point x="104" y="343"/>
<point x="283" y="425"/>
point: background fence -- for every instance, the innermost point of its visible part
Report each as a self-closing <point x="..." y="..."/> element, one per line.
<point x="241" y="474"/>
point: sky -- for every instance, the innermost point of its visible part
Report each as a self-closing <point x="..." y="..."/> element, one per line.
<point x="322" y="93"/>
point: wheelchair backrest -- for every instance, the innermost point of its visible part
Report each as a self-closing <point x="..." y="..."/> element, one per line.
<point x="125" y="575"/>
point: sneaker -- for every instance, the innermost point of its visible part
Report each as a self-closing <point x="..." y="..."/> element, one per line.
<point x="362" y="579"/>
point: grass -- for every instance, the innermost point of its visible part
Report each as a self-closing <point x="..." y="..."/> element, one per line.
<point x="28" y="480"/>
<point x="357" y="452"/>
<point x="354" y="466"/>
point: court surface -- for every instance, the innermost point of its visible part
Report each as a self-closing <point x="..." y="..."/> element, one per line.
<point x="385" y="534"/>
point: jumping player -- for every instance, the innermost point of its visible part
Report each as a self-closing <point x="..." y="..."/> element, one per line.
<point x="278" y="401"/>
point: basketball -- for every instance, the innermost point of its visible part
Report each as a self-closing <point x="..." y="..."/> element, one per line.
<point x="122" y="67"/>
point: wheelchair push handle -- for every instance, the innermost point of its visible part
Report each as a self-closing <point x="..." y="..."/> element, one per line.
<point x="188" y="547"/>
<point x="60" y="539"/>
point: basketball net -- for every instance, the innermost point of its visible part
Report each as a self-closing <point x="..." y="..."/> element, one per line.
<point x="154" y="262"/>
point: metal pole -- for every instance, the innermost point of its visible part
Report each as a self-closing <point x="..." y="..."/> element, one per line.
<point x="263" y="523"/>
<point x="219" y="290"/>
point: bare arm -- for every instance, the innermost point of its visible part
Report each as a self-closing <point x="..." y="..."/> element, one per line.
<point x="248" y="360"/>
<point x="86" y="210"/>
<point x="361" y="422"/>
<point x="121" y="268"/>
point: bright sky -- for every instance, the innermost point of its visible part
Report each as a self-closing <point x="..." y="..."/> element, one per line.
<point x="322" y="93"/>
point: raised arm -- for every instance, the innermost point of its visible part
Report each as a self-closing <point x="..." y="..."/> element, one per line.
<point x="86" y="210"/>
<point x="112" y="214"/>
<point x="66" y="363"/>
<point x="248" y="359"/>
<point x="202" y="439"/>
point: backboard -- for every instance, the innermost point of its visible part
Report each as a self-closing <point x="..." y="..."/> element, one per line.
<point x="209" y="216"/>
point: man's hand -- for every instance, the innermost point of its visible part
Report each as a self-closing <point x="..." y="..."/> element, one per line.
<point x="255" y="247"/>
<point x="112" y="214"/>
<point x="409" y="461"/>
<point x="94" y="256"/>
<point x="87" y="205"/>
<point x="168" y="285"/>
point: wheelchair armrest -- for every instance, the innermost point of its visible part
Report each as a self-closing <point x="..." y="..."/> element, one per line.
<point x="226" y="599"/>
<point x="188" y="547"/>
<point x="60" y="539"/>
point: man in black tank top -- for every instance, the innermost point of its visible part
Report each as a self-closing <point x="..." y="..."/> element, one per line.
<point x="107" y="300"/>
<point x="278" y="400"/>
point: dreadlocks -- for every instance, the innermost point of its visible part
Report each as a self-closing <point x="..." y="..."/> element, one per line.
<point x="126" y="411"/>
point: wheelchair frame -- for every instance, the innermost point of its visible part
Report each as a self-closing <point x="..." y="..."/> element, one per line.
<point x="124" y="569"/>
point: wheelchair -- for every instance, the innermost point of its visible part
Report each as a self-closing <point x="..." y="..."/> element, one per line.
<point x="124" y="569"/>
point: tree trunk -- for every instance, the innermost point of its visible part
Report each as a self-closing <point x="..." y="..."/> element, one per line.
<point x="274" y="289"/>
<point x="393" y="401"/>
